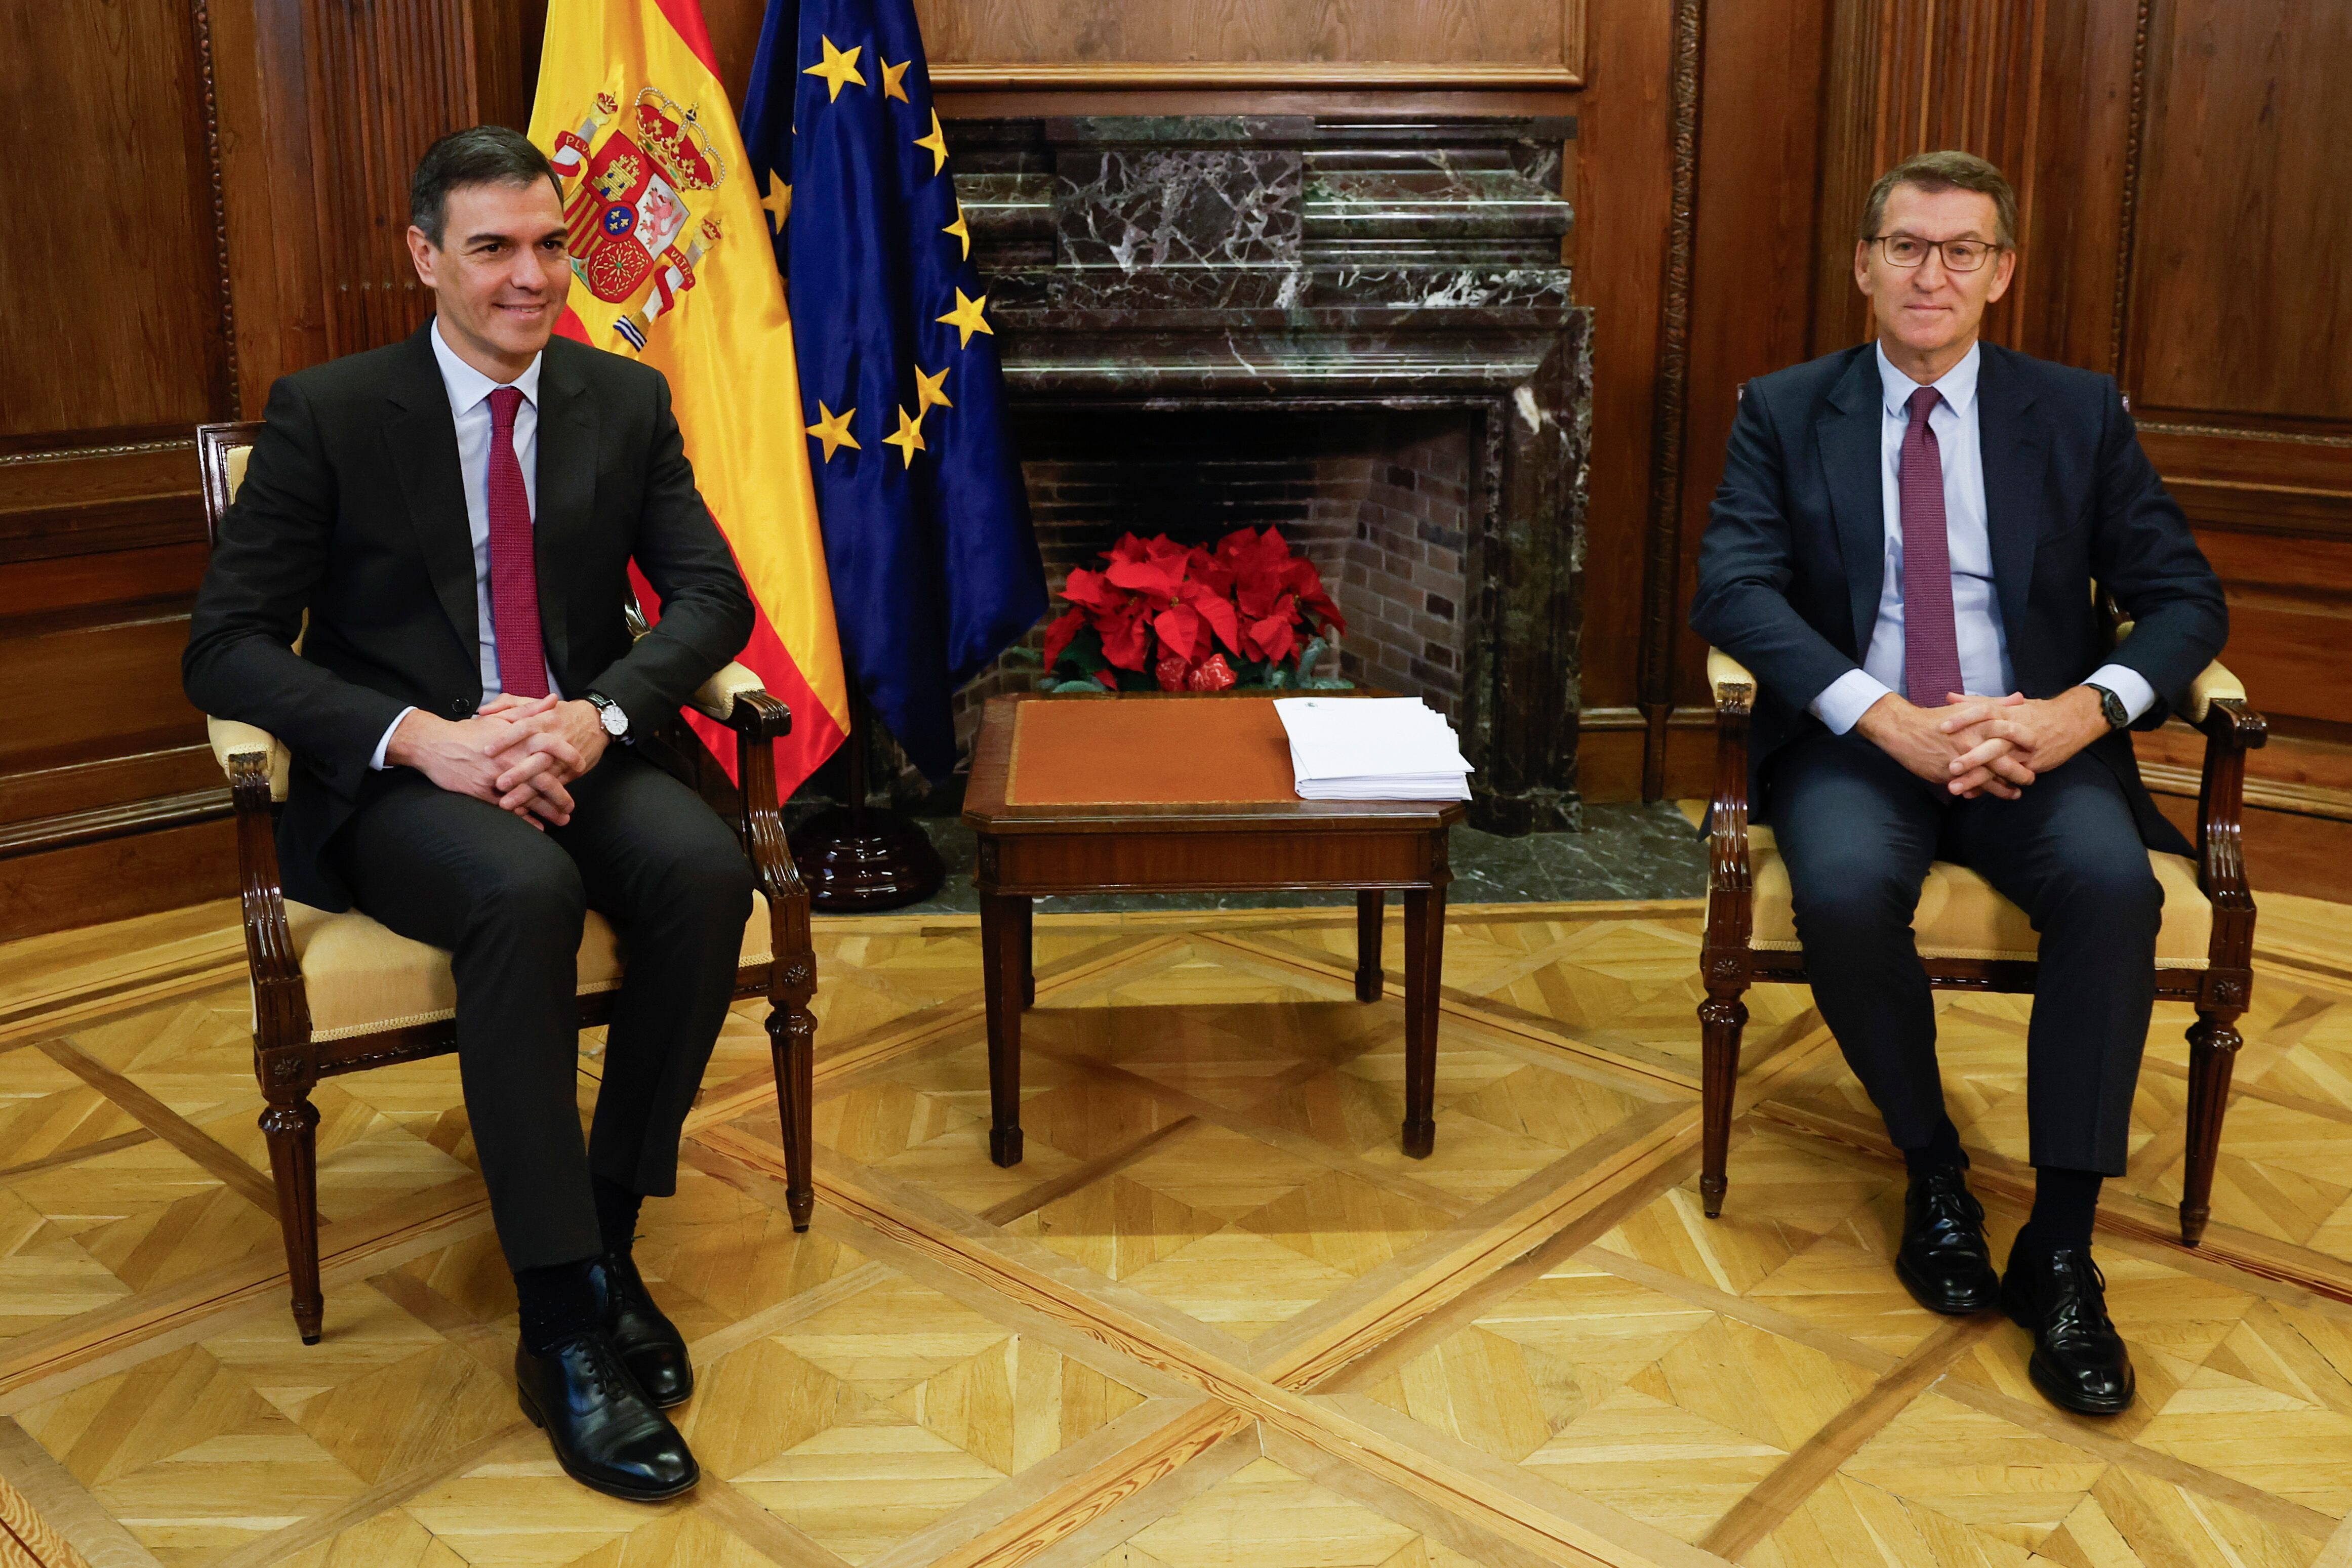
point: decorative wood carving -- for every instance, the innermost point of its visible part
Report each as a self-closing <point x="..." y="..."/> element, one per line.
<point x="1662" y="575"/>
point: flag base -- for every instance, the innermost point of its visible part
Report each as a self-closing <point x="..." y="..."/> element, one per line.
<point x="864" y="861"/>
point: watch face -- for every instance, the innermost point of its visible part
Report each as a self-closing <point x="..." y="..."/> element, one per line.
<point x="616" y="721"/>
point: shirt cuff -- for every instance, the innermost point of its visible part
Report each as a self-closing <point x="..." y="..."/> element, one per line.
<point x="376" y="762"/>
<point x="2127" y="683"/>
<point x="1845" y="700"/>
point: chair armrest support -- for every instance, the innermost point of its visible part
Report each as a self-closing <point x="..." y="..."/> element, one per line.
<point x="281" y="1008"/>
<point x="2232" y="729"/>
<point x="1729" y="889"/>
<point x="758" y="719"/>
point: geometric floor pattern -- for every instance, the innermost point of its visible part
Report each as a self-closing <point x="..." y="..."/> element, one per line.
<point x="1215" y="1319"/>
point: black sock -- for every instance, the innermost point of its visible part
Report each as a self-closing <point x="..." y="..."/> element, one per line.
<point x="1941" y="1149"/>
<point x="616" y="1214"/>
<point x="558" y="1302"/>
<point x="2064" y="1204"/>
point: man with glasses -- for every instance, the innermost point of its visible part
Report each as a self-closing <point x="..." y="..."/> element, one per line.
<point x="1903" y="550"/>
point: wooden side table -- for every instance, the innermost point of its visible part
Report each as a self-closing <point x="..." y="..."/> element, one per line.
<point x="1146" y="793"/>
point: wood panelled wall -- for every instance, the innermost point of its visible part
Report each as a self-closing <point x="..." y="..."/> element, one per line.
<point x="229" y="207"/>
<point x="238" y="215"/>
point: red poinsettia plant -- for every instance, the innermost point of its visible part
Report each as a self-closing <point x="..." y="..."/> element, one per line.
<point x="1188" y="617"/>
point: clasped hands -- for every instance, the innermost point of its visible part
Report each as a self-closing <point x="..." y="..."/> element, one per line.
<point x="517" y="753"/>
<point x="1976" y="745"/>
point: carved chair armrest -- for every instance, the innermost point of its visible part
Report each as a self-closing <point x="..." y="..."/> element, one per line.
<point x="758" y="720"/>
<point x="230" y="739"/>
<point x="1729" y="896"/>
<point x="255" y="764"/>
<point x="2216" y="703"/>
<point x="722" y="697"/>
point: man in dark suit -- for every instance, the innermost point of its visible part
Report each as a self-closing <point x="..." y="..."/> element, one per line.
<point x="457" y="512"/>
<point x="1903" y="550"/>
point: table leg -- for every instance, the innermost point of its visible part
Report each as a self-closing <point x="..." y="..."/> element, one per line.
<point x="1369" y="908"/>
<point x="1425" y="956"/>
<point x="1004" y="919"/>
<point x="1028" y="953"/>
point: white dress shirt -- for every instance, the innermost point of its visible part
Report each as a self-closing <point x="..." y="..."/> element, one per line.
<point x="1984" y="669"/>
<point x="469" y="405"/>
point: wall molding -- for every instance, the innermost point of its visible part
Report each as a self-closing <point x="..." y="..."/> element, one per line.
<point x="203" y="18"/>
<point x="68" y="829"/>
<point x="999" y="74"/>
<point x="2134" y="139"/>
<point x="1661" y="571"/>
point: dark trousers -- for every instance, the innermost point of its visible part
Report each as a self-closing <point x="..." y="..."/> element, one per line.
<point x="508" y="901"/>
<point x="1857" y="833"/>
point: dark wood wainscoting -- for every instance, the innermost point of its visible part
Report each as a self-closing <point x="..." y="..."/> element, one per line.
<point x="2179" y="230"/>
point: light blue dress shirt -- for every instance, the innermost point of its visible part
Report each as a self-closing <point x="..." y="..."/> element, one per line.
<point x="469" y="405"/>
<point x="1984" y="669"/>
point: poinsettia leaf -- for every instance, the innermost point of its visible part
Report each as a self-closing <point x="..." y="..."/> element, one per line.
<point x="1216" y="609"/>
<point x="1091" y="589"/>
<point x="1180" y="632"/>
<point x="1126" y="640"/>
<point x="1275" y="636"/>
<point x="1060" y="630"/>
<point x="1155" y="578"/>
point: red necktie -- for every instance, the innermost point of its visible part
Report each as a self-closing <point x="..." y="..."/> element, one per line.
<point x="514" y="575"/>
<point x="1931" y="648"/>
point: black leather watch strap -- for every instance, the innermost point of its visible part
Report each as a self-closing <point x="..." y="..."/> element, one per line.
<point x="2111" y="708"/>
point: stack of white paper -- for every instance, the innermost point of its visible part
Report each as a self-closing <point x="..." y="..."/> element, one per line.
<point x="1373" y="749"/>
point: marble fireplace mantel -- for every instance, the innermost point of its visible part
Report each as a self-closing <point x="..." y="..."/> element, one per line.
<point x="1303" y="266"/>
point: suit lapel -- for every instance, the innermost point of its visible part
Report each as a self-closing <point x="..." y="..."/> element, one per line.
<point x="421" y="438"/>
<point x="566" y="496"/>
<point x="1850" y="459"/>
<point x="2015" y="455"/>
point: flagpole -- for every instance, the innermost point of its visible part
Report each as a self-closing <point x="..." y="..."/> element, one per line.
<point x="861" y="858"/>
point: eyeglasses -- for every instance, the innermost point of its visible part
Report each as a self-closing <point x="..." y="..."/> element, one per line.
<point x="1959" y="254"/>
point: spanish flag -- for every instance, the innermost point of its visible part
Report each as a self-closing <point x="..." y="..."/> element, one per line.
<point x="673" y="263"/>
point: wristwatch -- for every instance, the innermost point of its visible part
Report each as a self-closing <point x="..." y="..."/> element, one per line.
<point x="616" y="723"/>
<point x="2111" y="708"/>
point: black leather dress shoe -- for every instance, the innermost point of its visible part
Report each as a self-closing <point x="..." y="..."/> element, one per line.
<point x="648" y="1341"/>
<point x="1943" y="1260"/>
<point x="607" y="1435"/>
<point x="2079" y="1362"/>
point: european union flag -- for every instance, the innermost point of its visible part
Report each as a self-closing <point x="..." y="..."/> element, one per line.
<point x="927" y="534"/>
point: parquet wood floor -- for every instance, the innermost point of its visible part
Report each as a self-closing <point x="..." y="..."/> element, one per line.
<point x="1215" y="1320"/>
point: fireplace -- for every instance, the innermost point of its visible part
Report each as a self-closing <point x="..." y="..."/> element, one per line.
<point x="1360" y="332"/>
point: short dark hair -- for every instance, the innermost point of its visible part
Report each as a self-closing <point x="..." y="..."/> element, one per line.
<point x="1947" y="171"/>
<point x="478" y="155"/>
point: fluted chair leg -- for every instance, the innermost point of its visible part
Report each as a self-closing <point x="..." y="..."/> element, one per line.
<point x="2213" y="1042"/>
<point x="291" y="1126"/>
<point x="1722" y="1017"/>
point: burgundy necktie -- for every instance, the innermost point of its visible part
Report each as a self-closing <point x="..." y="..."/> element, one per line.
<point x="514" y="575"/>
<point x="1931" y="648"/>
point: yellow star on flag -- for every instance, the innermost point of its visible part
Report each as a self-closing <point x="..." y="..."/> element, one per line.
<point x="966" y="317"/>
<point x="892" y="79"/>
<point x="958" y="229"/>
<point x="838" y="68"/>
<point x="833" y="429"/>
<point x="778" y="203"/>
<point x="938" y="144"/>
<point x="927" y="391"/>
<point x="909" y="436"/>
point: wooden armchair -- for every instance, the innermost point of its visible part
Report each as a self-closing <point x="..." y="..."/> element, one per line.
<point x="1972" y="938"/>
<point x="336" y="993"/>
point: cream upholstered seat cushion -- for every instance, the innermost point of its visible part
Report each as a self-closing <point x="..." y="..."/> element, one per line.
<point x="1960" y="915"/>
<point x="360" y="977"/>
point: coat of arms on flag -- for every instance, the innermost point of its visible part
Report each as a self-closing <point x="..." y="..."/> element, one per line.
<point x="625" y="203"/>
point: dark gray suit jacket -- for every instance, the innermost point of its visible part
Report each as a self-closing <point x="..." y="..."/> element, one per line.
<point x="353" y="508"/>
<point x="1790" y="569"/>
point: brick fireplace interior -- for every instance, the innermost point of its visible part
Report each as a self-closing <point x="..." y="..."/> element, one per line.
<point x="1380" y="501"/>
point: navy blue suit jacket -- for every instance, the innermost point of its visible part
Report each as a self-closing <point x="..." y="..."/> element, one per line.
<point x="1790" y="569"/>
